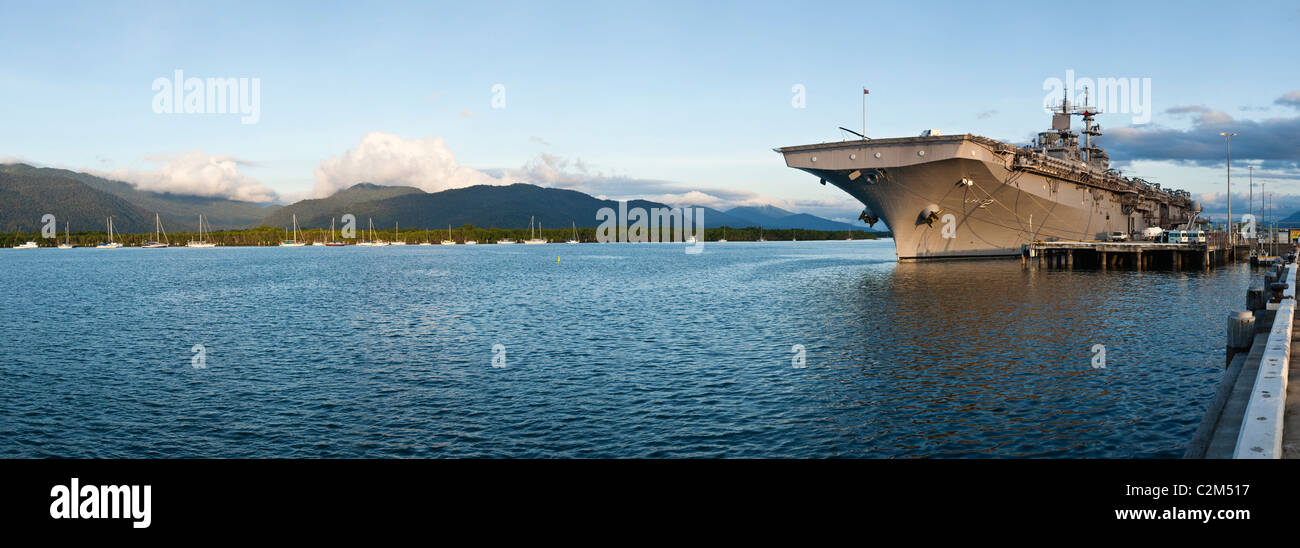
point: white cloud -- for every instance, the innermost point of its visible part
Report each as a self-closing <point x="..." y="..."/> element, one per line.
<point x="387" y="159"/>
<point x="17" y="160"/>
<point x="691" y="198"/>
<point x="199" y="174"/>
<point x="555" y="171"/>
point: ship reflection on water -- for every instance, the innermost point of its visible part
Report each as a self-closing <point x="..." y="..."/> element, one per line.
<point x="984" y="358"/>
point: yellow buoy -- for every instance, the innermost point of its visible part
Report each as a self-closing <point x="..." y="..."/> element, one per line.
<point x="557" y="259"/>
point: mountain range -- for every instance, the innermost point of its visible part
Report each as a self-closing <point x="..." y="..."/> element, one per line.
<point x="512" y="206"/>
<point x="85" y="200"/>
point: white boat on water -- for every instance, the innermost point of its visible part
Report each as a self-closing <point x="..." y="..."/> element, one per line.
<point x="67" y="243"/>
<point x="395" y="233"/>
<point x="201" y="242"/>
<point x="333" y="242"/>
<point x="110" y="244"/>
<point x="574" y="239"/>
<point x="471" y="242"/>
<point x="159" y="235"/>
<point x="723" y="239"/>
<point x="690" y="239"/>
<point x="372" y="242"/>
<point x="532" y="236"/>
<point x="29" y="245"/>
<point x="294" y="242"/>
<point x="448" y="241"/>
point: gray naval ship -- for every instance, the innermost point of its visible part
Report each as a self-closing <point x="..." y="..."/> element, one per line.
<point x="951" y="196"/>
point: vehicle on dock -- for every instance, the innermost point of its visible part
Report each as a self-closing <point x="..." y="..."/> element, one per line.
<point x="1170" y="237"/>
<point x="1117" y="237"/>
<point x="1152" y="232"/>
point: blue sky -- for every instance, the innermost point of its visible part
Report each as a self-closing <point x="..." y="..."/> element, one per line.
<point x="624" y="98"/>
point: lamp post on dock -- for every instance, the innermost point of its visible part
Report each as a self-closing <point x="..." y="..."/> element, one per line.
<point x="1251" y="201"/>
<point x="1227" y="141"/>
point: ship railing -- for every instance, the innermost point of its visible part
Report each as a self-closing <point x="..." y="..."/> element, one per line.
<point x="1065" y="170"/>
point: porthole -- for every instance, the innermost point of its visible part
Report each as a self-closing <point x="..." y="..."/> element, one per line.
<point x="877" y="155"/>
<point x="853" y="156"/>
<point x="920" y="153"/>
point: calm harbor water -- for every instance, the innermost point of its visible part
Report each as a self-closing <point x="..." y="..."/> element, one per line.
<point x="614" y="350"/>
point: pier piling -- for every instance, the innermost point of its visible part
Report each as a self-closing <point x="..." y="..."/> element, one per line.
<point x="1137" y="256"/>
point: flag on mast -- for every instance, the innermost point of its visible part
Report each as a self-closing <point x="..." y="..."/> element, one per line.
<point x="865" y="92"/>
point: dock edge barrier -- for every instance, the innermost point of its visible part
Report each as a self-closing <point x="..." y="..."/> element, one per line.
<point x="1261" y="427"/>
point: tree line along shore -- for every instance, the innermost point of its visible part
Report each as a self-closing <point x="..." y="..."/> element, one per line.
<point x="269" y="236"/>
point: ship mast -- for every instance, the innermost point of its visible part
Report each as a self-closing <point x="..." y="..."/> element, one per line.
<point x="1090" y="129"/>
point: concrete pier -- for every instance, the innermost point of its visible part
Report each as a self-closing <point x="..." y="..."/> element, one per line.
<point x="1255" y="412"/>
<point x="1125" y="255"/>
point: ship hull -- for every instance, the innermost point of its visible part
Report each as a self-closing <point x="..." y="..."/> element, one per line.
<point x="959" y="198"/>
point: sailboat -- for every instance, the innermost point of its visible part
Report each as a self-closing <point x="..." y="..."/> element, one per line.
<point x="201" y="242"/>
<point x="760" y="235"/>
<point x="333" y="242"/>
<point x="110" y="244"/>
<point x="67" y="244"/>
<point x="372" y="242"/>
<point x="448" y="241"/>
<point x="294" y="242"/>
<point x="532" y="237"/>
<point x="574" y="239"/>
<point x="159" y="236"/>
<point x="321" y="241"/>
<point x="395" y="233"/>
<point x="723" y="239"/>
